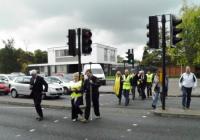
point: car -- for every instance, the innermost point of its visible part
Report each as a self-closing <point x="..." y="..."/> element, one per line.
<point x="4" y="88"/>
<point x="21" y="86"/>
<point x="65" y="82"/>
<point x="7" y="78"/>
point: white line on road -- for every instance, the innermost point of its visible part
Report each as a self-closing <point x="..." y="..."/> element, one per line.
<point x="129" y="130"/>
<point x="32" y="130"/>
<point x="144" y="116"/>
<point x="18" y="135"/>
<point x="65" y="117"/>
<point x="122" y="136"/>
<point x="135" y="124"/>
<point x="56" y="121"/>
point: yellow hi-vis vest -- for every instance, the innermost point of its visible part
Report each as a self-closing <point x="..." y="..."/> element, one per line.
<point x="149" y="78"/>
<point x="76" y="86"/>
<point x="127" y="83"/>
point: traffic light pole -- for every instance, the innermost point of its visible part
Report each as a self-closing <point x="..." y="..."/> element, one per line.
<point x="79" y="51"/>
<point x="164" y="62"/>
<point x="133" y="58"/>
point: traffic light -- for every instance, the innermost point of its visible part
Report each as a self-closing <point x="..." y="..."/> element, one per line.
<point x="153" y="33"/>
<point x="86" y="41"/>
<point x="129" y="57"/>
<point x="72" y="42"/>
<point x="174" y="22"/>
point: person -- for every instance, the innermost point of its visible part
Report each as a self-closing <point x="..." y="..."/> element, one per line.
<point x="76" y="97"/>
<point x="117" y="88"/>
<point x="36" y="87"/>
<point x="156" y="89"/>
<point x="91" y="88"/>
<point x="126" y="86"/>
<point x="134" y="78"/>
<point x="187" y="81"/>
<point x="142" y="84"/>
<point x="149" y="81"/>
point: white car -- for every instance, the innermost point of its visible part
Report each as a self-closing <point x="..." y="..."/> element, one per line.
<point x="7" y="78"/>
<point x="21" y="86"/>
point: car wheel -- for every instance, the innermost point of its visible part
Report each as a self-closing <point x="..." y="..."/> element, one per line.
<point x="14" y="93"/>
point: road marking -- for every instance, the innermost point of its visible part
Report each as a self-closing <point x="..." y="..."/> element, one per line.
<point x="129" y="130"/>
<point x="122" y="136"/>
<point x="86" y="138"/>
<point x="56" y="121"/>
<point x="144" y="116"/>
<point x="65" y="117"/>
<point x="135" y="124"/>
<point x="32" y="130"/>
<point x="18" y="135"/>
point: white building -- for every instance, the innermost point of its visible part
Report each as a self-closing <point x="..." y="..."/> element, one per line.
<point x="60" y="62"/>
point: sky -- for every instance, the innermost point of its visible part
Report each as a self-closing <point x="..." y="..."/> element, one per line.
<point x="42" y="24"/>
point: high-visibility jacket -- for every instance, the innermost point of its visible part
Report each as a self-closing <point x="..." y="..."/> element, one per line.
<point x="149" y="78"/>
<point x="76" y="86"/>
<point x="127" y="83"/>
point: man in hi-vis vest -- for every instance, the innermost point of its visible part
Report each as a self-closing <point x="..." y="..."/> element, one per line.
<point x="149" y="83"/>
<point x="126" y="86"/>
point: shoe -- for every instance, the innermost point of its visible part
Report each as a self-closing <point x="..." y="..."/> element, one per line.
<point x="98" y="117"/>
<point x="84" y="121"/>
<point x="80" y="117"/>
<point x="39" y="118"/>
<point x="154" y="107"/>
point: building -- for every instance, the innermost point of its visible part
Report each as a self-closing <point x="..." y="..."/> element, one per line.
<point x="60" y="62"/>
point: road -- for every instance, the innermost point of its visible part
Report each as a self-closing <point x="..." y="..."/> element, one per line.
<point x="118" y="123"/>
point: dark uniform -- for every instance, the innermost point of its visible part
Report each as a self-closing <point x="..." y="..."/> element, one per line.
<point x="95" y="96"/>
<point x="37" y="88"/>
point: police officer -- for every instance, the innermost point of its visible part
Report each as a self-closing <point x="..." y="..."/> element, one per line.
<point x="126" y="86"/>
<point x="36" y="86"/>
<point x="149" y="82"/>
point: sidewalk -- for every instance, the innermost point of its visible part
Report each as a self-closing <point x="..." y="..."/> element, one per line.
<point x="177" y="112"/>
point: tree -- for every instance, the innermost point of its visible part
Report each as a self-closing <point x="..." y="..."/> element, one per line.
<point x="40" y="56"/>
<point x="119" y="59"/>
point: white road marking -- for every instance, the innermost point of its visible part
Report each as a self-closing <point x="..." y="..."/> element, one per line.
<point x="135" y="124"/>
<point x="32" y="130"/>
<point x="144" y="116"/>
<point x="86" y="138"/>
<point x="65" y="117"/>
<point x="122" y="136"/>
<point x="56" y="121"/>
<point x="129" y="130"/>
<point x="18" y="135"/>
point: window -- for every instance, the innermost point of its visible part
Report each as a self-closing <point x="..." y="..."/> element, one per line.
<point x="19" y="80"/>
<point x="27" y="80"/>
<point x="105" y="54"/>
<point x="61" y="53"/>
<point x="112" y="55"/>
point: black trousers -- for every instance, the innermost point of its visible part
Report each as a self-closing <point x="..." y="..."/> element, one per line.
<point x="95" y="102"/>
<point x="142" y="90"/>
<point x="37" y="98"/>
<point x="75" y="107"/>
<point x="149" y="89"/>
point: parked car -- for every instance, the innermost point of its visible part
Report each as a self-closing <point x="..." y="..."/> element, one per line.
<point x="7" y="78"/>
<point x="64" y="82"/>
<point x="4" y="88"/>
<point x="21" y="86"/>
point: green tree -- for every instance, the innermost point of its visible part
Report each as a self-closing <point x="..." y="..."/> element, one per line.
<point x="40" y="56"/>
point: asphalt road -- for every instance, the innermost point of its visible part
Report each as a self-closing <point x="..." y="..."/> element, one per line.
<point x="118" y="123"/>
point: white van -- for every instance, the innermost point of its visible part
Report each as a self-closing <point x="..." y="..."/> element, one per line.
<point x="96" y="71"/>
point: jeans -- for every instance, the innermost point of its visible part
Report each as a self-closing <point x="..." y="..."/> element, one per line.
<point x="133" y="92"/>
<point x="156" y="96"/>
<point x="126" y="95"/>
<point x="186" y="96"/>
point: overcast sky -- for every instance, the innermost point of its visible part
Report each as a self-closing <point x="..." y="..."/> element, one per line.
<point x="41" y="24"/>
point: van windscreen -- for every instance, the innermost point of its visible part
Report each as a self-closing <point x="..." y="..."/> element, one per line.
<point x="97" y="71"/>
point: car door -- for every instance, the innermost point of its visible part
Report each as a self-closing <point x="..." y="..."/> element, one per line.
<point x="18" y="85"/>
<point x="26" y="85"/>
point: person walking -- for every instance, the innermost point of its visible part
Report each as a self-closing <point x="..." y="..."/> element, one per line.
<point x="76" y="97"/>
<point x="91" y="88"/>
<point x="156" y="87"/>
<point x="126" y="86"/>
<point x="187" y="81"/>
<point x="149" y="81"/>
<point x="36" y="87"/>
<point x="134" y="79"/>
<point x="142" y="84"/>
<point x="117" y="88"/>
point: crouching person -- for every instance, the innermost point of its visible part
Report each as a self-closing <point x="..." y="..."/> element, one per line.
<point x="76" y="97"/>
<point x="156" y="90"/>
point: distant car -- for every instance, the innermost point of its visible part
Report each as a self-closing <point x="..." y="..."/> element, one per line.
<point x="21" y="86"/>
<point x="7" y="78"/>
<point x="18" y="74"/>
<point x="64" y="82"/>
<point x="4" y="88"/>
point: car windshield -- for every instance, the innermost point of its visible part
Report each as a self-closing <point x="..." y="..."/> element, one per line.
<point x="97" y="71"/>
<point x="12" y="77"/>
<point x="48" y="80"/>
<point x="64" y="79"/>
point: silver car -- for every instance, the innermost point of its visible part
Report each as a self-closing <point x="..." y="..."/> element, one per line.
<point x="21" y="86"/>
